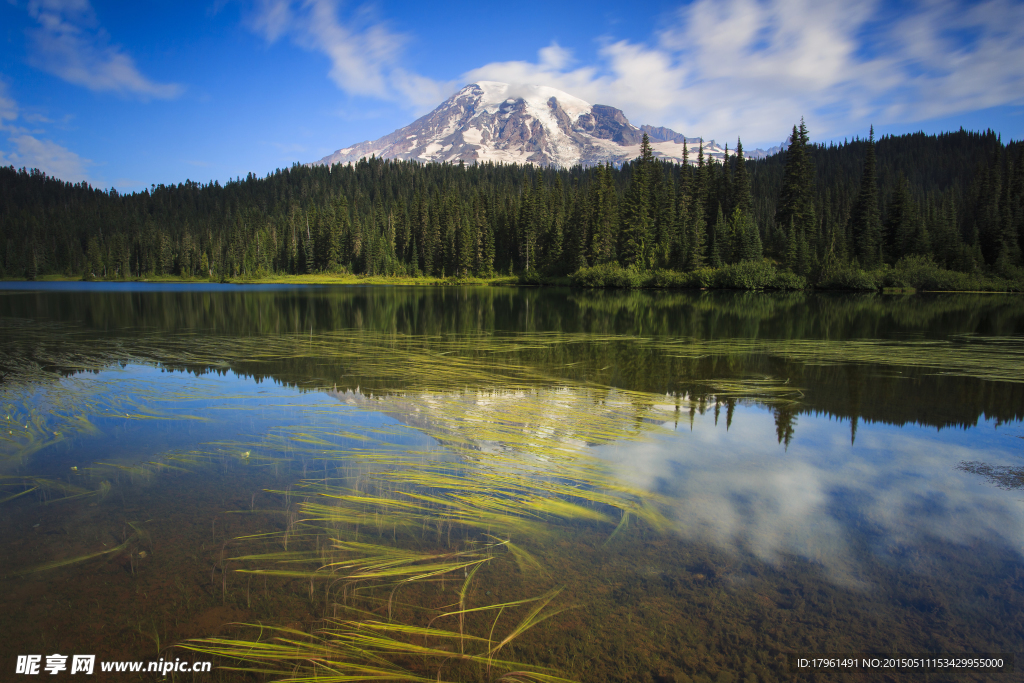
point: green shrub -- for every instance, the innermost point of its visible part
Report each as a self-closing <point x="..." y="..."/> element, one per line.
<point x="530" y="277"/>
<point x="702" y="277"/>
<point x="752" y="274"/>
<point x="670" y="279"/>
<point x="920" y="272"/>
<point x="609" y="275"/>
<point x="849" y="277"/>
<point x="788" y="280"/>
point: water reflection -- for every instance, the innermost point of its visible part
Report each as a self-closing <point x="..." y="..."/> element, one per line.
<point x="924" y="360"/>
<point x="716" y="479"/>
<point x="823" y="498"/>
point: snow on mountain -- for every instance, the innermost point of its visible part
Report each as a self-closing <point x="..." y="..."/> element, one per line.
<point x="525" y="124"/>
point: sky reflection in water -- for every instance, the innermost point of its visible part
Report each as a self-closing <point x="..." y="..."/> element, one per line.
<point x="824" y="498"/>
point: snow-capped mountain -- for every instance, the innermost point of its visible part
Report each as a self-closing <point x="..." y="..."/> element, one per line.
<point x="491" y="121"/>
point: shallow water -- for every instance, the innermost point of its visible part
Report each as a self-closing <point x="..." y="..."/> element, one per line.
<point x="754" y="476"/>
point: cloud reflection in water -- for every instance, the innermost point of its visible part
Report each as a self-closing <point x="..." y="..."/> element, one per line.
<point x="825" y="499"/>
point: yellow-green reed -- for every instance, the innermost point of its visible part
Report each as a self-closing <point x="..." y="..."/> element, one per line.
<point x="507" y="465"/>
<point x="371" y="650"/>
<point x="48" y="489"/>
<point x="56" y="564"/>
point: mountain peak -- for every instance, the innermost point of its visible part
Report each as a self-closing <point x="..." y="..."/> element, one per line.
<point x="525" y="124"/>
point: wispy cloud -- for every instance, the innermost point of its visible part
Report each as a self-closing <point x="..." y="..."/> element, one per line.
<point x="70" y="44"/>
<point x="364" y="53"/>
<point x="8" y="107"/>
<point x="26" y="150"/>
<point x="47" y="156"/>
<point x="753" y="67"/>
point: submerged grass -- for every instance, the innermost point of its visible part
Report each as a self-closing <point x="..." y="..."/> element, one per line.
<point x="500" y="465"/>
<point x="66" y="562"/>
<point x="382" y="516"/>
<point x="379" y="514"/>
<point x="46" y="489"/>
<point x="377" y="651"/>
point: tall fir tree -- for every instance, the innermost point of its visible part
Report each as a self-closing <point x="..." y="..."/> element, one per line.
<point x="680" y="245"/>
<point x="577" y="229"/>
<point x="555" y="234"/>
<point x="697" y="238"/>
<point x="901" y="223"/>
<point x="743" y="199"/>
<point x="663" y="205"/>
<point x="865" y="221"/>
<point x="605" y="223"/>
<point x="718" y="240"/>
<point x="636" y="212"/>
<point x="795" y="215"/>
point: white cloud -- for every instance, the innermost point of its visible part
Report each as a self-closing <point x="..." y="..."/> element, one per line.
<point x="47" y="156"/>
<point x="8" y="107"/>
<point x="70" y="44"/>
<point x="364" y="54"/>
<point x="422" y="92"/>
<point x="555" y="56"/>
<point x="32" y="152"/>
<point x="754" y="67"/>
<point x="739" y="489"/>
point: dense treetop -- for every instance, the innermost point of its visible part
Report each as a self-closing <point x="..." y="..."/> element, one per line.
<point x="956" y="198"/>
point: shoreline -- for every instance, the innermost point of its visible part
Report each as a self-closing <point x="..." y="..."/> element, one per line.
<point x="502" y="281"/>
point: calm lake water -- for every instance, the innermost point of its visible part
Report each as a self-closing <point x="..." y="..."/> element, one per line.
<point x="598" y="486"/>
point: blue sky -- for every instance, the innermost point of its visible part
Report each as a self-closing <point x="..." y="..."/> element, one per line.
<point x="127" y="95"/>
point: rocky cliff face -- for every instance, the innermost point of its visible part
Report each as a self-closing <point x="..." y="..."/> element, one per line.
<point x="491" y="121"/>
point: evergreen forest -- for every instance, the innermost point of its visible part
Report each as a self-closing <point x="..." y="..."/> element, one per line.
<point x="839" y="215"/>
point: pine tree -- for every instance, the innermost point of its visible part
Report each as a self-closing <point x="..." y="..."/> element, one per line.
<point x="487" y="249"/>
<point x="865" y="223"/>
<point x="746" y="238"/>
<point x="718" y="244"/>
<point x="664" y="214"/>
<point x="636" y="212"/>
<point x="434" y="259"/>
<point x="697" y="238"/>
<point x="338" y="228"/>
<point x="466" y="246"/>
<point x="795" y="214"/>
<point x="555" y="236"/>
<point x="605" y="224"/>
<point x="33" y="265"/>
<point x="901" y="222"/>
<point x="725" y="183"/>
<point x="577" y="230"/>
<point x="741" y="245"/>
<point x="744" y="200"/>
<point x="684" y="200"/>
<point x="357" y="241"/>
<point x="532" y="222"/>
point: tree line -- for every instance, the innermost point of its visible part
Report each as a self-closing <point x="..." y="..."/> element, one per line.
<point x="956" y="199"/>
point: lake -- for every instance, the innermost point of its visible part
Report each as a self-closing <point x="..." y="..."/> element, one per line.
<point x="461" y="484"/>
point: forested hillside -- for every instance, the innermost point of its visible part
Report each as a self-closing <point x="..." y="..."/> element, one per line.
<point x="956" y="198"/>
